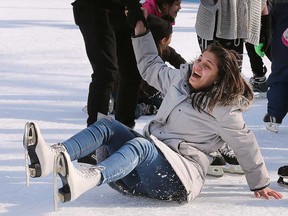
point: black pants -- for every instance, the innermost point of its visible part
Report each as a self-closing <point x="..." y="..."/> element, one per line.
<point x="108" y="44"/>
<point x="256" y="61"/>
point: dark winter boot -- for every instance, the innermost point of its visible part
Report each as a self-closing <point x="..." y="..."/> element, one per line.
<point x="283" y="174"/>
<point x="259" y="86"/>
<point x="88" y="159"/>
<point x="232" y="165"/>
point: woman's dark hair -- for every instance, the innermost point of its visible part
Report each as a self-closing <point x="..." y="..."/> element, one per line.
<point x="230" y="85"/>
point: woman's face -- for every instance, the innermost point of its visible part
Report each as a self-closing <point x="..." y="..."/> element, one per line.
<point x="173" y="9"/>
<point x="204" y="71"/>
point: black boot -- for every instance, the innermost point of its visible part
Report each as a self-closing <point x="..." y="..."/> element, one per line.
<point x="89" y="159"/>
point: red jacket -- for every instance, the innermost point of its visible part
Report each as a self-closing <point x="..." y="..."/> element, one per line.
<point x="152" y="8"/>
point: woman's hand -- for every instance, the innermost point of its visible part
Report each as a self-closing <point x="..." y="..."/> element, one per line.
<point x="140" y="27"/>
<point x="267" y="193"/>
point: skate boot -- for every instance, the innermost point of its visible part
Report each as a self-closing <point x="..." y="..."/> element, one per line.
<point x="75" y="181"/>
<point x="232" y="165"/>
<point x="259" y="86"/>
<point x="111" y="106"/>
<point x="89" y="159"/>
<point x="38" y="153"/>
<point x="147" y="109"/>
<point x="272" y="123"/>
<point x="283" y="174"/>
<point x="216" y="167"/>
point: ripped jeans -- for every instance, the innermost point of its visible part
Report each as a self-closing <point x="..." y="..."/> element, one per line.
<point x="133" y="159"/>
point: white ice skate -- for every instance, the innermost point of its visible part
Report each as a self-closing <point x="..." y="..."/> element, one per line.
<point x="216" y="167"/>
<point x="272" y="123"/>
<point x="271" y="126"/>
<point x="38" y="155"/>
<point x="233" y="169"/>
<point x="75" y="181"/>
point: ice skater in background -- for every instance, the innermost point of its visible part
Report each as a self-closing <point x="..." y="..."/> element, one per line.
<point x="277" y="94"/>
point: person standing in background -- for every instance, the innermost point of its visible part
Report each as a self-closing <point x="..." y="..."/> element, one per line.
<point x="259" y="70"/>
<point x="150" y="98"/>
<point x="223" y="22"/>
<point x="166" y="9"/>
<point x="107" y="38"/>
<point x="277" y="94"/>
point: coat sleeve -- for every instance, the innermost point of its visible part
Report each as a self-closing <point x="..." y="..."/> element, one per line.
<point x="234" y="132"/>
<point x="174" y="58"/>
<point x="151" y="66"/>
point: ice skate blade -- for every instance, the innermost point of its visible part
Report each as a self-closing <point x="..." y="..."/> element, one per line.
<point x="215" y="171"/>
<point x="274" y="127"/>
<point x="30" y="135"/>
<point x="84" y="109"/>
<point x="233" y="169"/>
<point x="260" y="95"/>
<point x="64" y="193"/>
<point x="32" y="165"/>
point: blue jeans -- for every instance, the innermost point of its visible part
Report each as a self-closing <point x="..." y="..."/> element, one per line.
<point x="134" y="159"/>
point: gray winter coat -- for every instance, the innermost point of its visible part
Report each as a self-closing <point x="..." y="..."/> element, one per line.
<point x="186" y="136"/>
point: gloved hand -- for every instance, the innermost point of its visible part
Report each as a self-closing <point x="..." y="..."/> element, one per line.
<point x="265" y="33"/>
<point x="135" y="13"/>
<point x="258" y="49"/>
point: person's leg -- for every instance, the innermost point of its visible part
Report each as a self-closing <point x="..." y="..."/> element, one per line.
<point x="100" y="43"/>
<point x="41" y="156"/>
<point x="203" y="43"/>
<point x="258" y="81"/>
<point x="256" y="61"/>
<point x="277" y="106"/>
<point x="278" y="79"/>
<point x="129" y="77"/>
<point x="138" y="163"/>
<point x="105" y="131"/>
<point x="98" y="34"/>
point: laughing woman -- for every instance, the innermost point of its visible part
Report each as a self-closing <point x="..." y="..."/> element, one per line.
<point x="201" y="111"/>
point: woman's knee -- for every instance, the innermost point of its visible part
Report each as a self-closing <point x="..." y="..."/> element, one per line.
<point x="143" y="145"/>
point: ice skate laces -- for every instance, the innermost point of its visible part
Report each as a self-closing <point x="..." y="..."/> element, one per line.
<point x="228" y="155"/>
<point x="87" y="171"/>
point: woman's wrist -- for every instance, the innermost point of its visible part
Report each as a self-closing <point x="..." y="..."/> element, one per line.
<point x="140" y="28"/>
